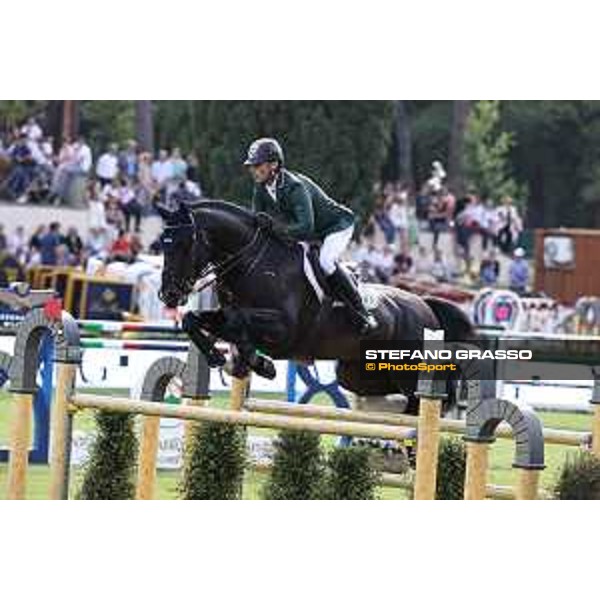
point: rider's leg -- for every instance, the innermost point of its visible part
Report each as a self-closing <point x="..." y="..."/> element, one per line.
<point x="341" y="284"/>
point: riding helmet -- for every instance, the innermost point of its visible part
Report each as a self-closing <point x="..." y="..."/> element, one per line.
<point x="264" y="150"/>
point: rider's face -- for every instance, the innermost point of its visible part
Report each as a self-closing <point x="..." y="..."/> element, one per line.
<point x="264" y="172"/>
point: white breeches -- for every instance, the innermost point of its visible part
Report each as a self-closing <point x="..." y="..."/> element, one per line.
<point x="333" y="246"/>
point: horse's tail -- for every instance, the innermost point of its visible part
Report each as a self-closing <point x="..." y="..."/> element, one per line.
<point x="453" y="320"/>
<point x="457" y="328"/>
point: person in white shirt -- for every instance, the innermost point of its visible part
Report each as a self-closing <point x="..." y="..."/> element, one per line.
<point x="18" y="244"/>
<point x="398" y="215"/>
<point x="32" y="130"/>
<point x="84" y="156"/>
<point x="162" y="172"/>
<point x="107" y="167"/>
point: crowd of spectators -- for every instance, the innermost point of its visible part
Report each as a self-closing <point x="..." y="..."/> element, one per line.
<point x="432" y="235"/>
<point x="429" y="235"/>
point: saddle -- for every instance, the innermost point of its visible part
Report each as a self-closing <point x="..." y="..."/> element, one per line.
<point x="315" y="274"/>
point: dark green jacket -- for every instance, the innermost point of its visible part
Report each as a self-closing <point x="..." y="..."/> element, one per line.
<point x="306" y="210"/>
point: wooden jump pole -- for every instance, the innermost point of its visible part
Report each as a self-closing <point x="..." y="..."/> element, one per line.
<point x="61" y="438"/>
<point x="527" y="486"/>
<point x="476" y="471"/>
<point x="215" y="415"/>
<point x="428" y="439"/>
<point x="239" y="392"/>
<point x="553" y="436"/>
<point x="19" y="446"/>
<point x="146" y="475"/>
<point x="596" y="431"/>
<point x="428" y="428"/>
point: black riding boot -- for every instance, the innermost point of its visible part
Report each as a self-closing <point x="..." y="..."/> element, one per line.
<point x="345" y="290"/>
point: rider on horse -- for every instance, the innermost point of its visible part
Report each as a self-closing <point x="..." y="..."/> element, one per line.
<point x="309" y="214"/>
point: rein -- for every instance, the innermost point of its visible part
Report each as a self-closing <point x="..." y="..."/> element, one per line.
<point x="221" y="269"/>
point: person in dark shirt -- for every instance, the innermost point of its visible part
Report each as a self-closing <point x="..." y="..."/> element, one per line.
<point x="49" y="243"/>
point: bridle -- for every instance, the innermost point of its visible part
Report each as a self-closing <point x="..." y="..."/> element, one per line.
<point x="217" y="269"/>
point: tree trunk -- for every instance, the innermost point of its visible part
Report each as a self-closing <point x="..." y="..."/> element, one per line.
<point x="404" y="144"/>
<point x="70" y="119"/>
<point x="460" y="116"/>
<point x="144" y="125"/>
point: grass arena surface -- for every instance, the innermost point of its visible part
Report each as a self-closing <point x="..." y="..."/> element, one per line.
<point x="500" y="471"/>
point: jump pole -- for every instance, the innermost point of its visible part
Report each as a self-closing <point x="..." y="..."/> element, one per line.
<point x="61" y="432"/>
<point x="428" y="430"/>
<point x="476" y="470"/>
<point x="20" y="438"/>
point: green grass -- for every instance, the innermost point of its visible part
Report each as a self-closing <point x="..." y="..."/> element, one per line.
<point x="501" y="456"/>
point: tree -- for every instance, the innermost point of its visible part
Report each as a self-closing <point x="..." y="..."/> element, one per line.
<point x="460" y="117"/>
<point x="144" y="125"/>
<point x="486" y="153"/>
<point x="342" y="145"/>
<point x="403" y="143"/>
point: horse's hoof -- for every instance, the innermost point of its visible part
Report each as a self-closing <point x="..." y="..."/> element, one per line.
<point x="265" y="368"/>
<point x="215" y="359"/>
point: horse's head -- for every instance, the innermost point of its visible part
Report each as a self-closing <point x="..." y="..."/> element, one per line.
<point x="185" y="254"/>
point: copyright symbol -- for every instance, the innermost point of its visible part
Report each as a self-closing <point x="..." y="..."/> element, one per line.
<point x="370" y="366"/>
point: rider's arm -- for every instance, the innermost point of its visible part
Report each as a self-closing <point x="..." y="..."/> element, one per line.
<point x="303" y="225"/>
<point x="257" y="203"/>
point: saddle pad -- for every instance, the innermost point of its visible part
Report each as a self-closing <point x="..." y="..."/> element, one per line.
<point x="310" y="272"/>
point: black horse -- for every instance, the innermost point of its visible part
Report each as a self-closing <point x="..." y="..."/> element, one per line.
<point x="268" y="305"/>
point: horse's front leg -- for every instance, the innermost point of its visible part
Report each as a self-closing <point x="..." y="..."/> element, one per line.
<point x="237" y="330"/>
<point x="197" y="324"/>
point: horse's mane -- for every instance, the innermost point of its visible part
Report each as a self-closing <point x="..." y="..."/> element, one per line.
<point x="227" y="207"/>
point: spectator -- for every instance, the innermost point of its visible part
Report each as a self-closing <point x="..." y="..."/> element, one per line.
<point x="438" y="217"/>
<point x="114" y="213"/>
<point x="128" y="161"/>
<point x="49" y="243"/>
<point x="3" y="241"/>
<point x="509" y="225"/>
<point x="97" y="242"/>
<point x="74" y="245"/>
<point x="107" y="167"/>
<point x="66" y="163"/>
<point x="32" y="131"/>
<point x="439" y="269"/>
<point x="130" y="205"/>
<point x="489" y="224"/>
<point x="162" y="173"/>
<point x="121" y="247"/>
<point x="22" y="172"/>
<point x="96" y="214"/>
<point x="489" y="269"/>
<point x="398" y="215"/>
<point x="17" y="244"/>
<point x="519" y="272"/>
<point x="381" y="218"/>
<point x="35" y="241"/>
<point x="146" y="185"/>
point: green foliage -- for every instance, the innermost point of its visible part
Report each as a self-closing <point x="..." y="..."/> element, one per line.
<point x="215" y="462"/>
<point x="486" y="153"/>
<point x="111" y="467"/>
<point x="452" y="461"/>
<point x="353" y="473"/>
<point x="579" y="478"/>
<point x="298" y="467"/>
<point x="342" y="145"/>
<point x="107" y="121"/>
<point x="15" y="112"/>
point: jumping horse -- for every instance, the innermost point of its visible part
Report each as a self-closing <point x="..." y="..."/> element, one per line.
<point x="268" y="306"/>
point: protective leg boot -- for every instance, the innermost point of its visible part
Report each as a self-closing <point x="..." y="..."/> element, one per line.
<point x="344" y="289"/>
